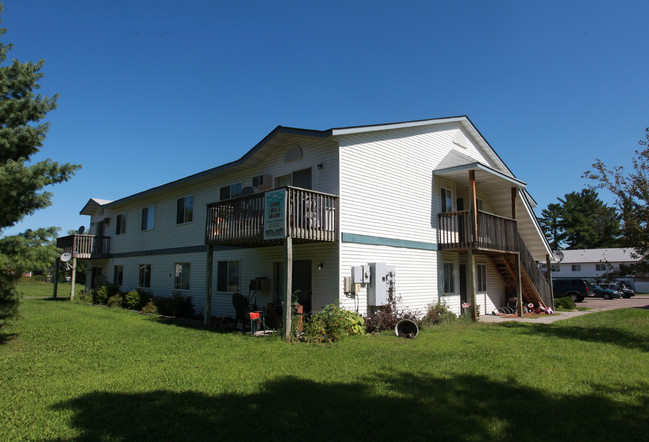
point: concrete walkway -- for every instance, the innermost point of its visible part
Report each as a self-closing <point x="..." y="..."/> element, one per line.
<point x="594" y="304"/>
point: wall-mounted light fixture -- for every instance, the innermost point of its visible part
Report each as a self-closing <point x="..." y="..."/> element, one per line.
<point x="320" y="166"/>
<point x="320" y="266"/>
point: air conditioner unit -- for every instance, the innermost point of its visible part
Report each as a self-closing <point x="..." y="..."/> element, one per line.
<point x="262" y="182"/>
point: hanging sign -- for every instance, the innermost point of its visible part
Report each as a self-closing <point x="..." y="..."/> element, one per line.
<point x="275" y="214"/>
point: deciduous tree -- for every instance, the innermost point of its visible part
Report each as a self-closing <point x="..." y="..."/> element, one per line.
<point x="631" y="192"/>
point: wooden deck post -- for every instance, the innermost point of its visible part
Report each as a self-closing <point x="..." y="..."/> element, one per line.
<point x="288" y="284"/>
<point x="207" y="307"/>
<point x="56" y="278"/>
<point x="74" y="276"/>
<point x="519" y="287"/>
<point x="471" y="284"/>
<point x="474" y="209"/>
<point x="548" y="276"/>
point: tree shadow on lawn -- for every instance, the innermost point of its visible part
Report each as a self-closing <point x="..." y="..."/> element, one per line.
<point x="602" y="335"/>
<point x="405" y="407"/>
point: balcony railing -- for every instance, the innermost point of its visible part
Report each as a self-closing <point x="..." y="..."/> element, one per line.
<point x="309" y="217"/>
<point x="85" y="246"/>
<point x="494" y="232"/>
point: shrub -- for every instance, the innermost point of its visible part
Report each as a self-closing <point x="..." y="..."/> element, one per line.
<point x="115" y="301"/>
<point x="85" y="295"/>
<point x="150" y="308"/>
<point x="104" y="293"/>
<point x="136" y="299"/>
<point x="331" y="324"/>
<point x="438" y="313"/>
<point x="387" y="316"/>
<point x="177" y="305"/>
<point x="565" y="302"/>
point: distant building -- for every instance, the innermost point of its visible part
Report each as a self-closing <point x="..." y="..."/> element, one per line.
<point x="594" y="264"/>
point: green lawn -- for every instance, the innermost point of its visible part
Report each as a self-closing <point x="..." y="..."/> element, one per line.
<point x="47" y="289"/>
<point x="73" y="371"/>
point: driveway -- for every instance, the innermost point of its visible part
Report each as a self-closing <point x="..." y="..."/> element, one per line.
<point x="594" y="304"/>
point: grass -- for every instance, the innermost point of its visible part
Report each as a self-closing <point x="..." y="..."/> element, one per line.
<point x="46" y="289"/>
<point x="73" y="371"/>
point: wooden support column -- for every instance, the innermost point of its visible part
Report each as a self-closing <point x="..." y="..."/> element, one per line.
<point x="56" y="278"/>
<point x="519" y="285"/>
<point x="514" y="201"/>
<point x="474" y="209"/>
<point x="548" y="276"/>
<point x="207" y="307"/>
<point x="471" y="284"/>
<point x="74" y="276"/>
<point x="288" y="284"/>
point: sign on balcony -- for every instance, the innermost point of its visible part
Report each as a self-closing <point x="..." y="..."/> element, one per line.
<point x="275" y="214"/>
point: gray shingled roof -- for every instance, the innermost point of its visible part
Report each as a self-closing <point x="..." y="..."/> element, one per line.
<point x="597" y="255"/>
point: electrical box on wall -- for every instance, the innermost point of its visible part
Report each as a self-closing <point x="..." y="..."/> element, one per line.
<point x="382" y="281"/>
<point x="361" y="274"/>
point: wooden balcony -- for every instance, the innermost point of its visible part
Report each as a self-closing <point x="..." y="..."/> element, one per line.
<point x="495" y="233"/>
<point x="85" y="246"/>
<point x="309" y="217"/>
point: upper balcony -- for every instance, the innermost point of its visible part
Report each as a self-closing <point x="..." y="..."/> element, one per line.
<point x="84" y="246"/>
<point x="494" y="233"/>
<point x="264" y="219"/>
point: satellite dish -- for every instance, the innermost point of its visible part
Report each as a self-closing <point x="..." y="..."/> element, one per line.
<point x="558" y="255"/>
<point x="81" y="230"/>
<point x="66" y="257"/>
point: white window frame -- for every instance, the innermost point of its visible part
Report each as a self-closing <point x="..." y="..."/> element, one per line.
<point x="446" y="196"/>
<point x="118" y="274"/>
<point x="142" y="276"/>
<point x="228" y="286"/>
<point x="185" y="200"/>
<point x="233" y="191"/>
<point x="120" y="224"/>
<point x="446" y="278"/>
<point x="182" y="275"/>
<point x="481" y="278"/>
<point x="576" y="267"/>
<point x="150" y="218"/>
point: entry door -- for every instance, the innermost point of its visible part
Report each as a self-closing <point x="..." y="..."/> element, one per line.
<point x="302" y="282"/>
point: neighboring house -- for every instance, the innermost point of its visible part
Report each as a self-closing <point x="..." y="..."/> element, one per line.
<point x="593" y="264"/>
<point x="366" y="209"/>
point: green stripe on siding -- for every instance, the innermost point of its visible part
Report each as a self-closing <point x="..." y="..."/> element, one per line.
<point x="171" y="251"/>
<point x="392" y="242"/>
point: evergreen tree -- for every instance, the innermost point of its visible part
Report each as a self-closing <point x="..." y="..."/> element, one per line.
<point x="22" y="133"/>
<point x="552" y="226"/>
<point x="581" y="221"/>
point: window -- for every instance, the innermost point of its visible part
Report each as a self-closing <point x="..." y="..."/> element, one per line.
<point x="447" y="201"/>
<point x="576" y="268"/>
<point x="145" y="275"/>
<point x="181" y="276"/>
<point x="118" y="275"/>
<point x="120" y="224"/>
<point x="148" y="215"/>
<point x="231" y="191"/>
<point x="299" y="178"/>
<point x="600" y="267"/>
<point x="449" y="278"/>
<point x="556" y="268"/>
<point x="481" y="277"/>
<point x="227" y="276"/>
<point x="185" y="210"/>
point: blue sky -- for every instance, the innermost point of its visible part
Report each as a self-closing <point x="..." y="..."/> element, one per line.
<point x="152" y="91"/>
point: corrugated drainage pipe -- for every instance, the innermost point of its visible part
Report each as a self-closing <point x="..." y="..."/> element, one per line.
<point x="406" y="328"/>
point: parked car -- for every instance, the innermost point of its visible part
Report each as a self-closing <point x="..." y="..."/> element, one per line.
<point x="577" y="289"/>
<point x="627" y="292"/>
<point x="606" y="291"/>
